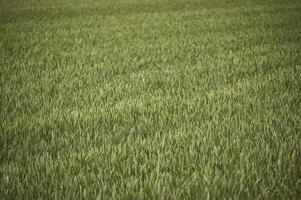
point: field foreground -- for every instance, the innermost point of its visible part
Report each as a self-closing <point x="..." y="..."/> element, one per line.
<point x="150" y="99"/>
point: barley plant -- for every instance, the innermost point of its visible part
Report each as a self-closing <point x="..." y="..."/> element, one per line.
<point x="150" y="99"/>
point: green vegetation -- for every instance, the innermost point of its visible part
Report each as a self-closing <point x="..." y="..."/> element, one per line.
<point x="150" y="99"/>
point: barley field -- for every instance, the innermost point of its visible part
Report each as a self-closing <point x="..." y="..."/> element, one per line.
<point x="150" y="99"/>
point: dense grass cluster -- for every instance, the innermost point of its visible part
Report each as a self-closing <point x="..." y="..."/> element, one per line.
<point x="159" y="99"/>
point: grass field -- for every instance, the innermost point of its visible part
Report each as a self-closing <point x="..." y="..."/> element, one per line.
<point x="150" y="99"/>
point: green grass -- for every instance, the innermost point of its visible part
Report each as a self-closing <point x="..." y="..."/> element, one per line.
<point x="143" y="99"/>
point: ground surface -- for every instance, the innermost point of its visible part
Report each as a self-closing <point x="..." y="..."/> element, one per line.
<point x="164" y="99"/>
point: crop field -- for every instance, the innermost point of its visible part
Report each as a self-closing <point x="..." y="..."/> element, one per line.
<point x="150" y="99"/>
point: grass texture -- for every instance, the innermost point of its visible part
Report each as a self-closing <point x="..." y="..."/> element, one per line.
<point x="150" y="99"/>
